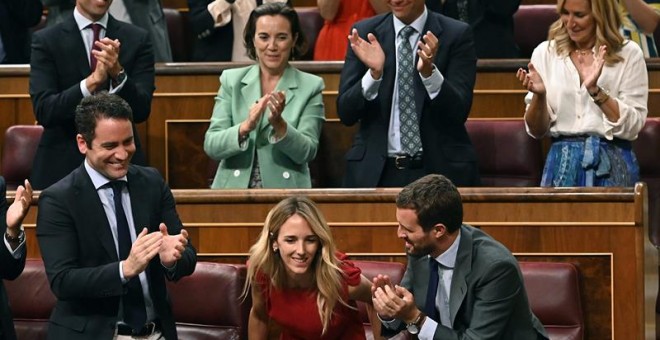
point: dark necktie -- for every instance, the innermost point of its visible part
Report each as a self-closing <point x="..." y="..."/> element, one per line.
<point x="409" y="124"/>
<point x="135" y="314"/>
<point x="96" y="28"/>
<point x="430" y="309"/>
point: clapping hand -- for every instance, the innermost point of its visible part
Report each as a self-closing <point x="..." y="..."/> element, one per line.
<point x="276" y="104"/>
<point x="17" y="210"/>
<point x="531" y="80"/>
<point x="426" y="50"/>
<point x="369" y="52"/>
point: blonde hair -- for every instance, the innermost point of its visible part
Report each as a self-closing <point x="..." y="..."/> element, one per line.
<point x="608" y="21"/>
<point x="328" y="276"/>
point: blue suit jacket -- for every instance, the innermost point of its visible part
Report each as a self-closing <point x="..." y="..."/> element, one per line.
<point x="81" y="259"/>
<point x="10" y="268"/>
<point x="447" y="147"/>
<point x="59" y="63"/>
<point x="487" y="299"/>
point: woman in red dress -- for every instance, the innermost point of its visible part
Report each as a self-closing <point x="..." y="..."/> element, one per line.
<point x="340" y="15"/>
<point x="300" y="281"/>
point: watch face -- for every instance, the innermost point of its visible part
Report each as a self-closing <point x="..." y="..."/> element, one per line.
<point x="412" y="329"/>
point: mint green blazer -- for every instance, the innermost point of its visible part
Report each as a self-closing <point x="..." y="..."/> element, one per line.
<point x="283" y="163"/>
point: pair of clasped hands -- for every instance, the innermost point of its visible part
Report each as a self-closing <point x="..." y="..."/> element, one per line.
<point x="392" y="301"/>
<point x="372" y="55"/>
<point x="169" y="249"/>
<point x="106" y="51"/>
<point x="275" y="102"/>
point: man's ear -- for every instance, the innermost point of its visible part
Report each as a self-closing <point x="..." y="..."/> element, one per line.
<point x="439" y="230"/>
<point x="82" y="144"/>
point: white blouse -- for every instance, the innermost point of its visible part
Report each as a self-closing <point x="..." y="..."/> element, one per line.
<point x="573" y="112"/>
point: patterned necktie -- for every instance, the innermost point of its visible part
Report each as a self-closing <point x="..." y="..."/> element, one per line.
<point x="409" y="124"/>
<point x="96" y="28"/>
<point x="135" y="314"/>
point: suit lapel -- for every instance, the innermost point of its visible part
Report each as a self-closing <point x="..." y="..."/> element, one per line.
<point x="251" y="90"/>
<point x="72" y="42"/>
<point x="385" y="34"/>
<point x="137" y="190"/>
<point x="94" y="216"/>
<point x="462" y="269"/>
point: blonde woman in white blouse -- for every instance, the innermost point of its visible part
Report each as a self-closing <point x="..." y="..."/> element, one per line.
<point x="588" y="90"/>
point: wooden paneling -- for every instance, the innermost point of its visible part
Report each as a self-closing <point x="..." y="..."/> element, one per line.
<point x="601" y="230"/>
<point x="186" y="91"/>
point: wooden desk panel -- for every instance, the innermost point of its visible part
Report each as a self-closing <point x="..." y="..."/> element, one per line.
<point x="601" y="230"/>
<point x="186" y="91"/>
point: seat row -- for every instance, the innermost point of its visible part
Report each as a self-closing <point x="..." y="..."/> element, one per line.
<point x="531" y="23"/>
<point x="208" y="304"/>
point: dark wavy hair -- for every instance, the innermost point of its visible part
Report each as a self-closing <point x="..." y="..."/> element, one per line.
<point x="102" y="105"/>
<point x="275" y="8"/>
<point x="435" y="199"/>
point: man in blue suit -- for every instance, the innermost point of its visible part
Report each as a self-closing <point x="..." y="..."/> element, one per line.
<point x="13" y="249"/>
<point x="460" y="283"/>
<point x="408" y="80"/>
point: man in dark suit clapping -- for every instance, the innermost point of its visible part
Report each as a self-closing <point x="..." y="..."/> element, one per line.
<point x="88" y="52"/>
<point x="110" y="236"/>
<point x="408" y="80"/>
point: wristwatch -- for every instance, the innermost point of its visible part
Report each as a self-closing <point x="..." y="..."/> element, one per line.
<point x="121" y="76"/>
<point x="15" y="240"/>
<point x="600" y="96"/>
<point x="414" y="327"/>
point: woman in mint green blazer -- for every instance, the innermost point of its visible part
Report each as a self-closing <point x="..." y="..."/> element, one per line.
<point x="267" y="117"/>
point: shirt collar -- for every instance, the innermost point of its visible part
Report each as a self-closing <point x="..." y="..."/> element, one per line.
<point x="418" y="24"/>
<point x="83" y="22"/>
<point x="97" y="178"/>
<point x="448" y="258"/>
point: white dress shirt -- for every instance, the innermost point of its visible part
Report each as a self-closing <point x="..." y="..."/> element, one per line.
<point x="433" y="83"/>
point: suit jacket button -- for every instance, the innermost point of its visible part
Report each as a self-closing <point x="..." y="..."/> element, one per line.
<point x="237" y="173"/>
<point x="286" y="175"/>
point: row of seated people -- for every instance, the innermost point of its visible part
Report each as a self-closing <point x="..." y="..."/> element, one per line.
<point x="208" y="304"/>
<point x="531" y="23"/>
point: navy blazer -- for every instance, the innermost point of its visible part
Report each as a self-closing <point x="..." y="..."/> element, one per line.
<point x="81" y="259"/>
<point x="10" y="268"/>
<point x="447" y="147"/>
<point x="59" y="63"/>
<point x="16" y="17"/>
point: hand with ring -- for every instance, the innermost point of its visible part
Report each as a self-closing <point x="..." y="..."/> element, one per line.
<point x="426" y="49"/>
